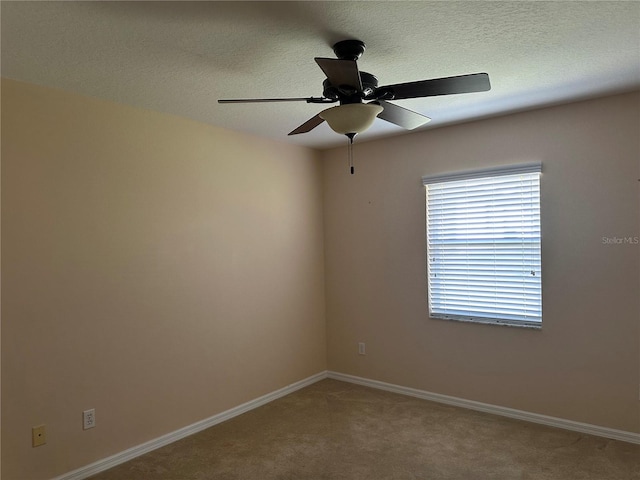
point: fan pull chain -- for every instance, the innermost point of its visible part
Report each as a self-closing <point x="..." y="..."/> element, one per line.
<point x="350" y="148"/>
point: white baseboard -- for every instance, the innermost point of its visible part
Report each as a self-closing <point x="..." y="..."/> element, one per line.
<point x="614" y="434"/>
<point x="147" y="447"/>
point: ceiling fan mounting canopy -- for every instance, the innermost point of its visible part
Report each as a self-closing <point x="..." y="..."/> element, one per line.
<point x="346" y="84"/>
<point x="349" y="49"/>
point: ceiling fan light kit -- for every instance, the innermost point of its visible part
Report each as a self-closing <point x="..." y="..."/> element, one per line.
<point x="351" y="117"/>
<point x="362" y="100"/>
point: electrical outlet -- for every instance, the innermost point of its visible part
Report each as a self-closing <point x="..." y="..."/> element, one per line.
<point x="89" y="419"/>
<point x="361" y="348"/>
<point x="38" y="436"/>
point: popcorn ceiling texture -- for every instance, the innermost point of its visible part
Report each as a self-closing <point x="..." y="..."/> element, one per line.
<point x="180" y="57"/>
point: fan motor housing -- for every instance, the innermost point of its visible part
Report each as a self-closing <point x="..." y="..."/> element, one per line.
<point x="349" y="94"/>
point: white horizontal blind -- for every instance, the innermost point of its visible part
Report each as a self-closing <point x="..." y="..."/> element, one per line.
<point x="483" y="246"/>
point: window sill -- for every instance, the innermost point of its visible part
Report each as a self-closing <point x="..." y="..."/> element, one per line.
<point x="489" y="321"/>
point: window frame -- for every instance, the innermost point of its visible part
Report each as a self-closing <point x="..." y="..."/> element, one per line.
<point x="527" y="168"/>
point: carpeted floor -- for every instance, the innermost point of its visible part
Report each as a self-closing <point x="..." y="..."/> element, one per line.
<point x="335" y="430"/>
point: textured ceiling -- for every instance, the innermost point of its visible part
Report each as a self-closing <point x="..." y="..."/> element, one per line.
<point x="180" y="57"/>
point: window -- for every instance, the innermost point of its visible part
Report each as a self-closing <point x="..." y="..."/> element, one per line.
<point x="483" y="245"/>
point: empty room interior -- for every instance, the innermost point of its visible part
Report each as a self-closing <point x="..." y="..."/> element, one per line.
<point x="269" y="286"/>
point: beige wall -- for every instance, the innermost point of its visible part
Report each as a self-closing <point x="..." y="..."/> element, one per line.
<point x="584" y="363"/>
<point x="162" y="271"/>
<point x="153" y="268"/>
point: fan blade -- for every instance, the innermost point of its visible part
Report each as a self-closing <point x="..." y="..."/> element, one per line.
<point x="308" y="125"/>
<point x="401" y="116"/>
<point x="266" y="100"/>
<point x="341" y="72"/>
<point x="475" y="82"/>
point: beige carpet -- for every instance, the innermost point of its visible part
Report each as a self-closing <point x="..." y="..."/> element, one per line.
<point x="335" y="430"/>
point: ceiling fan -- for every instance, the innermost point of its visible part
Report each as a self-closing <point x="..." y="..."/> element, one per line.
<point x="362" y="100"/>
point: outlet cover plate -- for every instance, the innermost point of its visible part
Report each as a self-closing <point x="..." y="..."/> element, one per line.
<point x="89" y="419"/>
